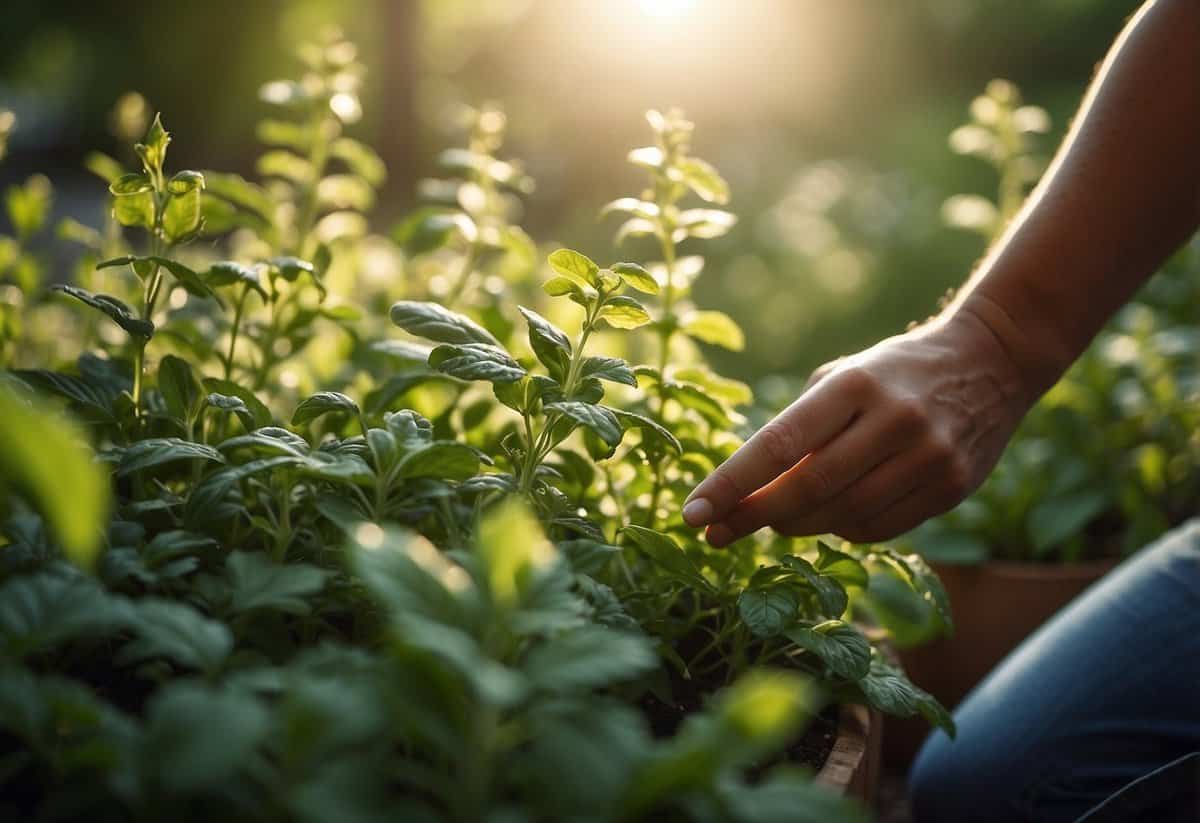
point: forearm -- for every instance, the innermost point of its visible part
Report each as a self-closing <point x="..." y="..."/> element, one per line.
<point x="1121" y="196"/>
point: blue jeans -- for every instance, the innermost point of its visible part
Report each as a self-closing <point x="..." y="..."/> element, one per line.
<point x="1096" y="716"/>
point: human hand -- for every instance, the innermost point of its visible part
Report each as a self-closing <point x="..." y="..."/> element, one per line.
<point x="878" y="443"/>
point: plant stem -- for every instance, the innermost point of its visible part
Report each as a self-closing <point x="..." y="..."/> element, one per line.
<point x="233" y="334"/>
<point x="465" y="269"/>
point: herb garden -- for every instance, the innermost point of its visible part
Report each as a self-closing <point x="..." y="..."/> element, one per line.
<point x="283" y="541"/>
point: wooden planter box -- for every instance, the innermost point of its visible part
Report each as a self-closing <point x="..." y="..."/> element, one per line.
<point x="852" y="767"/>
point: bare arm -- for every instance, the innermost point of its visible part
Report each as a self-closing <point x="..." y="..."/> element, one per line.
<point x="904" y="430"/>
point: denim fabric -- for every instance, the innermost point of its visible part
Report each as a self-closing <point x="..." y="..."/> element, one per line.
<point x="1097" y="712"/>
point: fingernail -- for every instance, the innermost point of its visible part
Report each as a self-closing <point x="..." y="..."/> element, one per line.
<point x="719" y="536"/>
<point x="698" y="512"/>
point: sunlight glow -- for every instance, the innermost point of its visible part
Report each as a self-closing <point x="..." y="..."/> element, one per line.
<point x="666" y="9"/>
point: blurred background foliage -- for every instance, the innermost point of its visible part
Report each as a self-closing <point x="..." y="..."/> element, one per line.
<point x="829" y="119"/>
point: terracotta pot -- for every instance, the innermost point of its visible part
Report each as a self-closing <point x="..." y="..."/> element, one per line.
<point x="995" y="606"/>
<point x="852" y="767"/>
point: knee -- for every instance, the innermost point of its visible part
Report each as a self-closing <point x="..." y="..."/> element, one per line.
<point x="955" y="781"/>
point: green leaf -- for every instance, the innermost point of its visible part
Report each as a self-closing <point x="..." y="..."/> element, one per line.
<point x="339" y="468"/>
<point x="360" y="159"/>
<point x="268" y="440"/>
<point x="286" y="165"/>
<point x="587" y="556"/>
<point x="446" y="460"/>
<point x="133" y="200"/>
<point x="705" y="223"/>
<point x="120" y="313"/>
<point x="576" y="267"/>
<point x="637" y="277"/>
<point x="259" y="583"/>
<point x="768" y="610"/>
<point x="840" y="566"/>
<point x="178" y="632"/>
<point x="40" y="611"/>
<point x="228" y="273"/>
<point x="588" y="658"/>
<point x="652" y="432"/>
<point x="703" y="179"/>
<point x="45" y="458"/>
<point x="290" y="268"/>
<point x="831" y="596"/>
<point x="843" y="647"/>
<point x="1057" y="519"/>
<point x="29" y="205"/>
<point x="713" y="327"/>
<point x="667" y="556"/>
<point x="549" y="343"/>
<point x="912" y="569"/>
<point x="240" y="192"/>
<point x="623" y="312"/>
<point x="153" y="148"/>
<point x="407" y="575"/>
<point x="200" y="736"/>
<point x="187" y="278"/>
<point x="431" y="321"/>
<point x="324" y="402"/>
<point x="598" y="419"/>
<point x="608" y="368"/>
<point x="476" y="361"/>
<point x="431" y="228"/>
<point x="514" y="553"/>
<point x="146" y="454"/>
<point x="180" y="389"/>
<point x="888" y="689"/>
<point x="181" y="217"/>
<point x="237" y="405"/>
<point x="262" y="415"/>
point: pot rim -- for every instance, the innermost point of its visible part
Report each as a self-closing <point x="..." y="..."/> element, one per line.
<point x="848" y="756"/>
<point x="1033" y="571"/>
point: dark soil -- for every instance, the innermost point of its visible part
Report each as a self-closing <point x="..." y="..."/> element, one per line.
<point x="689" y="695"/>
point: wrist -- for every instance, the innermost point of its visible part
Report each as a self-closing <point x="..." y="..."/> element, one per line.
<point x="1023" y="367"/>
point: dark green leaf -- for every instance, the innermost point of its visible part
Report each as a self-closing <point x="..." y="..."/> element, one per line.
<point x="667" y="556"/>
<point x="768" y="610"/>
<point x="180" y="389"/>
<point x="598" y="419"/>
<point x="549" y="343"/>
<point x="588" y="658"/>
<point x="120" y="313"/>
<point x="200" y="736"/>
<point x="888" y="689"/>
<point x="843" y="647"/>
<point x="433" y="322"/>
<point x="445" y="460"/>
<point x="608" y="368"/>
<point x="177" y="632"/>
<point x="146" y="454"/>
<point x="262" y="415"/>
<point x="652" y="432"/>
<point x="476" y="361"/>
<point x="321" y="403"/>
<point x="259" y="583"/>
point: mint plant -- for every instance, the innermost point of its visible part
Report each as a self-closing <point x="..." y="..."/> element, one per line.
<point x="453" y="592"/>
<point x="469" y="218"/>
